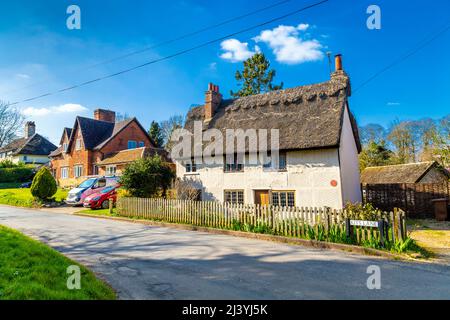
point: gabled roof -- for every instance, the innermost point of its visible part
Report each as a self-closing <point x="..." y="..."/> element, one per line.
<point x="401" y="173"/>
<point x="34" y="145"/>
<point x="130" y="155"/>
<point x="96" y="133"/>
<point x="307" y="117"/>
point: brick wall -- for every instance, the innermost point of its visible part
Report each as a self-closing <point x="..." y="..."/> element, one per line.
<point x="88" y="158"/>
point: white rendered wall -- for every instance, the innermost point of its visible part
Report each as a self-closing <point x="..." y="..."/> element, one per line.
<point x="309" y="174"/>
<point x="348" y="153"/>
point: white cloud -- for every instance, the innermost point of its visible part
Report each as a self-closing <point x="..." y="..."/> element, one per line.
<point x="393" y="103"/>
<point x="23" y="76"/>
<point x="65" y="108"/>
<point x="236" y="51"/>
<point x="288" y="46"/>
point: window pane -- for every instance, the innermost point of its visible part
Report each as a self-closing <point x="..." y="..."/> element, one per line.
<point x="282" y="165"/>
<point x="275" y="199"/>
<point x="283" y="199"/>
<point x="291" y="199"/>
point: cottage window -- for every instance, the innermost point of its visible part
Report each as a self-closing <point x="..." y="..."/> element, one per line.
<point x="191" y="166"/>
<point x="111" y="170"/>
<point x="78" y="171"/>
<point x="283" y="198"/>
<point x="234" y="196"/>
<point x="141" y="144"/>
<point x="269" y="164"/>
<point x="78" y="144"/>
<point x="25" y="158"/>
<point x="64" y="173"/>
<point x="65" y="146"/>
<point x="234" y="165"/>
<point x="132" y="144"/>
<point x="95" y="170"/>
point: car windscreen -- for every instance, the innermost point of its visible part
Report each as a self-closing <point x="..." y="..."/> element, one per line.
<point x="107" y="189"/>
<point x="87" y="183"/>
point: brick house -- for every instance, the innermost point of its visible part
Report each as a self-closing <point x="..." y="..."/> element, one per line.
<point x="91" y="141"/>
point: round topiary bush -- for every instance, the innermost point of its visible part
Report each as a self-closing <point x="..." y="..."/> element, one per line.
<point x="44" y="185"/>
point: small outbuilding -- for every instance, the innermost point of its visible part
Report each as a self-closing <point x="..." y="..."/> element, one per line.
<point x="420" y="172"/>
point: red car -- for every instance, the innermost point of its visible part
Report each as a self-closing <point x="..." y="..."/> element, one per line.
<point x="101" y="199"/>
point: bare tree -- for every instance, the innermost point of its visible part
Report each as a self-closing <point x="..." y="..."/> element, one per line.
<point x="11" y="121"/>
<point x="168" y="127"/>
<point x="185" y="190"/>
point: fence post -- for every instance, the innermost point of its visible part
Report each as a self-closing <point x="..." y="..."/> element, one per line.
<point x="348" y="228"/>
<point x="382" y="230"/>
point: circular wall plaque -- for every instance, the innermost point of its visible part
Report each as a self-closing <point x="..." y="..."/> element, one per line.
<point x="333" y="183"/>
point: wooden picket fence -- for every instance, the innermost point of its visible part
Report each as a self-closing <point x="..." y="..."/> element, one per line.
<point x="285" y="221"/>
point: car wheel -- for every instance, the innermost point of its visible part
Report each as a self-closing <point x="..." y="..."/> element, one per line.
<point x="105" y="204"/>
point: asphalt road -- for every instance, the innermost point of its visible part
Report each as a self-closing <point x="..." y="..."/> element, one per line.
<point x="145" y="262"/>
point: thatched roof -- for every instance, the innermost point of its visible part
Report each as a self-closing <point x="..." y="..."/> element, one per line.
<point x="308" y="117"/>
<point x="401" y="173"/>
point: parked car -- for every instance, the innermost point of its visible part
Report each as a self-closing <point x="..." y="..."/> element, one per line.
<point x="89" y="186"/>
<point x="26" y="185"/>
<point x="101" y="199"/>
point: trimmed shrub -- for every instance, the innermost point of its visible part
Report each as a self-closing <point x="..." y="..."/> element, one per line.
<point x="44" y="185"/>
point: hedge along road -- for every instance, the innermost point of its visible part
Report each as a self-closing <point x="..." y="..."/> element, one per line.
<point x="147" y="262"/>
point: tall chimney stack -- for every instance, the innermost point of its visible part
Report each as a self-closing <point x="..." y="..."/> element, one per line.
<point x="339" y="76"/>
<point x="30" y="129"/>
<point x="105" y="115"/>
<point x="213" y="98"/>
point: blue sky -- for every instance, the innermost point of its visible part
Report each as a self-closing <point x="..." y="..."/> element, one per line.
<point x="39" y="54"/>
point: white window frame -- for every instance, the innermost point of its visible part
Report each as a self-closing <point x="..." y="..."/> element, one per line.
<point x="78" y="144"/>
<point x="78" y="170"/>
<point x="66" y="171"/>
<point x="65" y="146"/>
<point x="110" y="172"/>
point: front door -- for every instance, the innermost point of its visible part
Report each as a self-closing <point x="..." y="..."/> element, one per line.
<point x="262" y="197"/>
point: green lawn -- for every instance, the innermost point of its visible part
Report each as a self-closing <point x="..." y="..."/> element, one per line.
<point x="24" y="198"/>
<point x="33" y="271"/>
<point x="100" y="212"/>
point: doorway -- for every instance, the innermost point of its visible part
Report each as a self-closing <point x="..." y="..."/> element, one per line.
<point x="262" y="197"/>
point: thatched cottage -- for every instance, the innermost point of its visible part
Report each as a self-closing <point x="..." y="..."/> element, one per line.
<point x="317" y="164"/>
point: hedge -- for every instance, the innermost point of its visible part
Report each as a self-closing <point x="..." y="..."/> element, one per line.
<point x="18" y="174"/>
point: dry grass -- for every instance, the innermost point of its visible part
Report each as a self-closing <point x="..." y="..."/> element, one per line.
<point x="433" y="236"/>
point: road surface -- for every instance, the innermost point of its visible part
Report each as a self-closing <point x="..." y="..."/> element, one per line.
<point x="146" y="262"/>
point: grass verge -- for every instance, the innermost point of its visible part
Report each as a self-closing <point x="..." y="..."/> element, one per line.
<point x="30" y="270"/>
<point x="23" y="197"/>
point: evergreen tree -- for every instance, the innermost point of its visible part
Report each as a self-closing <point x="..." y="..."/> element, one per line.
<point x="256" y="77"/>
<point x="156" y="134"/>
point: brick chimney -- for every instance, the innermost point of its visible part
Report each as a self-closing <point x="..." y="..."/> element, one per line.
<point x="339" y="75"/>
<point x="105" y="115"/>
<point x="30" y="129"/>
<point x="213" y="98"/>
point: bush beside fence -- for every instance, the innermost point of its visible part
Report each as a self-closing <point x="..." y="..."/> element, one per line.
<point x="321" y="224"/>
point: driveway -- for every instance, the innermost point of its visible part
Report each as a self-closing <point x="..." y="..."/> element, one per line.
<point x="146" y="262"/>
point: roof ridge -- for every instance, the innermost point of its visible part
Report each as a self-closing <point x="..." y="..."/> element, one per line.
<point x="401" y="164"/>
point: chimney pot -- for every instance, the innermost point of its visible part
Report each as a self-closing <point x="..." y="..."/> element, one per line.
<point x="338" y="62"/>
